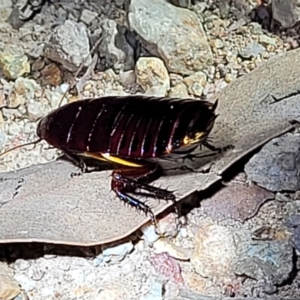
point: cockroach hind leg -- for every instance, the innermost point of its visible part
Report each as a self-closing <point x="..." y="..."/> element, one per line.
<point x="139" y="205"/>
<point x="155" y="192"/>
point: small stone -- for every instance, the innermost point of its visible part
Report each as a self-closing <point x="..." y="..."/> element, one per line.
<point x="195" y="83"/>
<point x="24" y="89"/>
<point x="251" y="50"/>
<point x="21" y="264"/>
<point x="229" y="78"/>
<point x="275" y="167"/>
<point x="51" y="74"/>
<point x="167" y="266"/>
<point x="149" y="233"/>
<point x="156" y="91"/>
<point x="128" y="268"/>
<point x="214" y="250"/>
<point x="217" y="43"/>
<point x="156" y="291"/>
<point x="266" y="40"/>
<point x="117" y="253"/>
<point x="9" y="288"/>
<point x="271" y="261"/>
<point x="173" y="250"/>
<point x="179" y="90"/>
<point x="127" y="78"/>
<point x="172" y="33"/>
<point x="35" y="111"/>
<point x="14" y="129"/>
<point x="151" y="72"/>
<point x="13" y="62"/>
<point x="69" y="46"/>
<point x="88" y="16"/>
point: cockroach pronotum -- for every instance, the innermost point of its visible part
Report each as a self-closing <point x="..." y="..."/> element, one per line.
<point x="128" y="131"/>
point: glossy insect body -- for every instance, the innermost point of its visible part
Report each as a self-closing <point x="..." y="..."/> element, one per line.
<point x="131" y="127"/>
<point x="128" y="130"/>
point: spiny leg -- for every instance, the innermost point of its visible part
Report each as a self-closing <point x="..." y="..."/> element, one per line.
<point x="130" y="179"/>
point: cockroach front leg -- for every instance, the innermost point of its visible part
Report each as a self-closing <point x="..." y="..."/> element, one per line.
<point x="79" y="162"/>
<point x="211" y="147"/>
<point x="217" y="149"/>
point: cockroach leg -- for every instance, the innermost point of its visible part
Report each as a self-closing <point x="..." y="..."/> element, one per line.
<point x="79" y="162"/>
<point x="130" y="179"/>
<point x="217" y="149"/>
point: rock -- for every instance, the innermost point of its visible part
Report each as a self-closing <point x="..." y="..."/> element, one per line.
<point x="167" y="266"/>
<point x="266" y="40"/>
<point x="13" y="62"/>
<point x="276" y="166"/>
<point x="127" y="78"/>
<point x="69" y="46"/>
<point x="182" y="3"/>
<point x="195" y="83"/>
<point x="88" y="16"/>
<point x="149" y="234"/>
<point x="9" y="288"/>
<point x="114" y="50"/>
<point x="52" y="75"/>
<point x="24" y="89"/>
<point x="172" y="33"/>
<point x="156" y="291"/>
<point x="156" y="91"/>
<point x="117" y="253"/>
<point x="172" y="249"/>
<point x="214" y="251"/>
<point x="237" y="201"/>
<point x="268" y="261"/>
<point x="151" y="72"/>
<point x="179" y="90"/>
<point x="285" y="12"/>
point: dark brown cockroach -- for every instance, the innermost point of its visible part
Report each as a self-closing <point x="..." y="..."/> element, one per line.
<point x="128" y="131"/>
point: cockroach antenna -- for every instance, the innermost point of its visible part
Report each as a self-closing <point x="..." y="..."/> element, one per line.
<point x="20" y="146"/>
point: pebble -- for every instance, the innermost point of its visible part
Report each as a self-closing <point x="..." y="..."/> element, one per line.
<point x="195" y="83"/>
<point x="276" y="166"/>
<point x="162" y="26"/>
<point x="173" y="250"/>
<point x="149" y="234"/>
<point x="252" y="49"/>
<point x="156" y="291"/>
<point x="13" y="62"/>
<point x="266" y="40"/>
<point x="151" y="72"/>
<point x="69" y="46"/>
<point x="127" y="78"/>
<point x="88" y="16"/>
<point x="179" y="90"/>
<point x="128" y="267"/>
<point x="21" y="264"/>
<point x="214" y="251"/>
<point x="117" y="253"/>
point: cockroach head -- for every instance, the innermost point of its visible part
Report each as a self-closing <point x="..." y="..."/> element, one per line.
<point x="201" y="125"/>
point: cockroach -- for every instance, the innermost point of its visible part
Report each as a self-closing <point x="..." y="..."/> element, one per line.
<point x="130" y="131"/>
